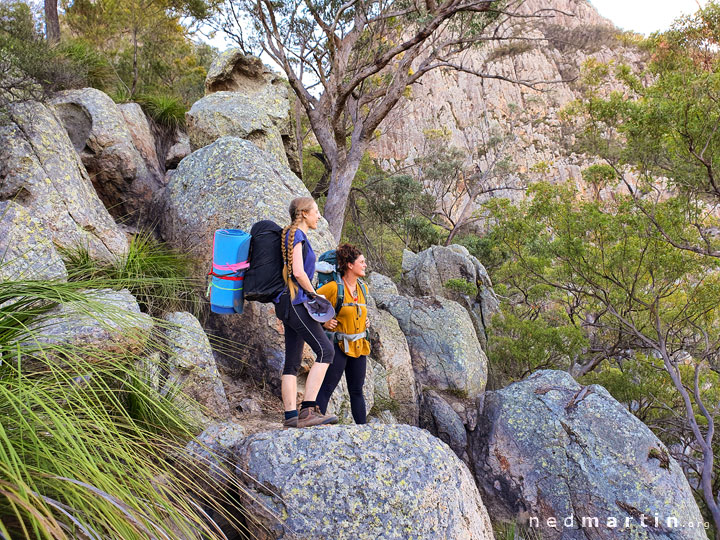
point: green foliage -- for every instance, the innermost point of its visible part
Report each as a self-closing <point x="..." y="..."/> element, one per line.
<point x="521" y="345"/>
<point x="100" y="73"/>
<point x="29" y="67"/>
<point x="462" y="286"/>
<point x="149" y="47"/>
<point x="486" y="249"/>
<point x="157" y="276"/>
<point x="599" y="176"/>
<point x="593" y="286"/>
<point x="388" y="214"/>
<point x="515" y="531"/>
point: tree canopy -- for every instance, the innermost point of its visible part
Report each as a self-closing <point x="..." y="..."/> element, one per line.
<point x="350" y="63"/>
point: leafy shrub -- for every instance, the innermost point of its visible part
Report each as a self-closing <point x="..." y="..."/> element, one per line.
<point x="98" y="71"/>
<point x="29" y="67"/>
<point x="462" y="286"/>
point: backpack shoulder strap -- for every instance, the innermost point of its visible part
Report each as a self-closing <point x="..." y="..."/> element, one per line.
<point x="340" y="294"/>
<point x="363" y="288"/>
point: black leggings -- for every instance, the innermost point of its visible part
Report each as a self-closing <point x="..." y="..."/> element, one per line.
<point x="300" y="328"/>
<point x="354" y="369"/>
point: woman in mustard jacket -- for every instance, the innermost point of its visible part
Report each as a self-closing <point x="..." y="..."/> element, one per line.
<point x="349" y="332"/>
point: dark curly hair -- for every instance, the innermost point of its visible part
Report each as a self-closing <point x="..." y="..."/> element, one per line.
<point x="346" y="254"/>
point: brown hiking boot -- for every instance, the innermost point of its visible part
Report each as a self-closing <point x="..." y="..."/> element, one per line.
<point x="311" y="416"/>
<point x="291" y="422"/>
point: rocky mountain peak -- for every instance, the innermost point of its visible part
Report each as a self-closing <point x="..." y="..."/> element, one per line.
<point x="468" y="111"/>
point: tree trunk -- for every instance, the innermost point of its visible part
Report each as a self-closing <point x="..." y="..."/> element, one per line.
<point x="135" y="66"/>
<point x="464" y="217"/>
<point x="341" y="179"/>
<point x="52" y="23"/>
<point x="299" y="111"/>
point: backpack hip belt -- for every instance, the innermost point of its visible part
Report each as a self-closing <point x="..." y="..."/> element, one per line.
<point x="338" y="337"/>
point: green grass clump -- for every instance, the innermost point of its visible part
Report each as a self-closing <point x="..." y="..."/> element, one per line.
<point x="158" y="277"/>
<point x="88" y="447"/>
<point x="167" y="110"/>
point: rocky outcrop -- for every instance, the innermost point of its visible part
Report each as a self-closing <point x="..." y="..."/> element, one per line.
<point x="115" y="325"/>
<point x="381" y="287"/>
<point x="359" y="483"/>
<point x="142" y="136"/>
<point x="232" y="184"/>
<point x="471" y="111"/>
<point x="435" y="271"/>
<point x="246" y="99"/>
<point x="210" y="457"/>
<point x="237" y="115"/>
<point x="439" y="418"/>
<point x="26" y="251"/>
<point x="445" y="351"/>
<point x="547" y="447"/>
<point x="179" y="149"/>
<point x="41" y="171"/>
<point x="190" y="367"/>
<point x="389" y="348"/>
<point x="124" y="180"/>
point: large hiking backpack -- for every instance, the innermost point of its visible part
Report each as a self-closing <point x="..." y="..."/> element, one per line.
<point x="263" y="279"/>
<point x="327" y="271"/>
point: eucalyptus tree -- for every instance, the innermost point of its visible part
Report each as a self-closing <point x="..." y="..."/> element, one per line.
<point x="349" y="63"/>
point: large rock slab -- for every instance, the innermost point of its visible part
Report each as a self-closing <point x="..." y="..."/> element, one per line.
<point x="231" y="113"/>
<point x="191" y="367"/>
<point x="106" y="320"/>
<point x="98" y="129"/>
<point x="26" y="250"/>
<point x="359" y="483"/>
<point x="427" y="273"/>
<point x="389" y="348"/>
<point x="233" y="184"/>
<point x="142" y="136"/>
<point x="444" y="348"/>
<point x="42" y="172"/>
<point x="263" y="98"/>
<point x="439" y="418"/>
<point x="547" y="447"/>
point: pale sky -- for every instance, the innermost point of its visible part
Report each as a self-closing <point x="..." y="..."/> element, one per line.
<point x="645" y="16"/>
<point x="642" y="16"/>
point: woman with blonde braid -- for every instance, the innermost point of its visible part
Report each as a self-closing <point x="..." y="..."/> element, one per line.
<point x="300" y="328"/>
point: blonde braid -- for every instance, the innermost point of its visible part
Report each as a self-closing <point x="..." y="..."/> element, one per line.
<point x="297" y="207"/>
<point x="287" y="249"/>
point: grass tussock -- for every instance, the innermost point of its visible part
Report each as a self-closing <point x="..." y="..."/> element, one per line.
<point x="157" y="276"/>
<point x="167" y="110"/>
<point x="89" y="445"/>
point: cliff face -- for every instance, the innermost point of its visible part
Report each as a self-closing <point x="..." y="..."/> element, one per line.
<point x="470" y="110"/>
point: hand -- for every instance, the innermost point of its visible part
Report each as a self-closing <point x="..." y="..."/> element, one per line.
<point x="331" y="324"/>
